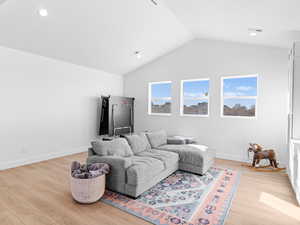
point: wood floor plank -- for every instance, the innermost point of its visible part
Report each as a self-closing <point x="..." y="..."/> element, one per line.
<point x="39" y="194"/>
<point x="24" y="210"/>
<point x="6" y="217"/>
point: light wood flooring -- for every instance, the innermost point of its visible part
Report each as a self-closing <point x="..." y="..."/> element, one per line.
<point x="38" y="194"/>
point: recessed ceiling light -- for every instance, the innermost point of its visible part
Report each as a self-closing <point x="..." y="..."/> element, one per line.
<point x="138" y="54"/>
<point x="43" y="12"/>
<point x="254" y="31"/>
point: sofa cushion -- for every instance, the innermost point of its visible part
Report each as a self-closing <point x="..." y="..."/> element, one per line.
<point x="188" y="140"/>
<point x="116" y="147"/>
<point x="138" y="142"/>
<point x="142" y="169"/>
<point x="191" y="153"/>
<point x="157" y="138"/>
<point x="168" y="158"/>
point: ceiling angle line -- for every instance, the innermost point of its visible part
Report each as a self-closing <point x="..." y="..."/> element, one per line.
<point x="2" y="1"/>
<point x="154" y="2"/>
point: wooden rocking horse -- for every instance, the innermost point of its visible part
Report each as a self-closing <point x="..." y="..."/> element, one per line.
<point x="260" y="154"/>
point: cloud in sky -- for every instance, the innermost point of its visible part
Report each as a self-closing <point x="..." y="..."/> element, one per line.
<point x="162" y="98"/>
<point x="244" y="88"/>
<point x="195" y="95"/>
<point x="233" y="94"/>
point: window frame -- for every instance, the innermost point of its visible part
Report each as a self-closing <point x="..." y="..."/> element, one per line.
<point x="150" y="98"/>
<point x="182" y="98"/>
<point x="239" y="97"/>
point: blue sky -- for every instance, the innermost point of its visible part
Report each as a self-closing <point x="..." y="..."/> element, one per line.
<point x="240" y="86"/>
<point x="195" y="89"/>
<point x="161" y="90"/>
<point x="198" y="89"/>
<point x="191" y="90"/>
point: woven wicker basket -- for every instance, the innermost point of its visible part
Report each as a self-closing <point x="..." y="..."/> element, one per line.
<point x="87" y="190"/>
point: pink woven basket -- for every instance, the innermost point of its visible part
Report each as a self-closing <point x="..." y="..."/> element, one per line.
<point x="87" y="190"/>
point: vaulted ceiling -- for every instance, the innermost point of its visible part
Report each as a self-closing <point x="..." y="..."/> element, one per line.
<point x="102" y="34"/>
<point x="106" y="34"/>
<point x="231" y="19"/>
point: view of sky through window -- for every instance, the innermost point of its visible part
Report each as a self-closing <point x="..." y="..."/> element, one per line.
<point x="195" y="97"/>
<point x="244" y="86"/>
<point x="240" y="96"/>
<point x="161" y="97"/>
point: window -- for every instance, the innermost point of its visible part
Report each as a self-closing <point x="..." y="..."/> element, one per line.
<point x="160" y="98"/>
<point x="239" y="96"/>
<point x="194" y="97"/>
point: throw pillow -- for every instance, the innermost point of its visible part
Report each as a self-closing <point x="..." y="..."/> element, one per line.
<point x="188" y="140"/>
<point x="116" y="147"/>
<point x="157" y="138"/>
<point x="138" y="142"/>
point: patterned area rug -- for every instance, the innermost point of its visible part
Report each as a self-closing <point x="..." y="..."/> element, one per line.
<point x="183" y="198"/>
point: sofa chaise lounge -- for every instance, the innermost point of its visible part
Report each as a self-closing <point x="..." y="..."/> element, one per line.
<point x="140" y="161"/>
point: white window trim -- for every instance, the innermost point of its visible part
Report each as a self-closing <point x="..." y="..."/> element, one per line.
<point x="182" y="98"/>
<point x="239" y="97"/>
<point x="150" y="98"/>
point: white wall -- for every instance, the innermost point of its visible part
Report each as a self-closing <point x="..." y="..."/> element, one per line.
<point x="296" y="92"/>
<point x="202" y="59"/>
<point x="48" y="107"/>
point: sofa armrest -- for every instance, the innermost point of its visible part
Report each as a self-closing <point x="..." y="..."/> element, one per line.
<point x="116" y="179"/>
<point x="175" y="141"/>
<point x="91" y="152"/>
<point x="195" y="142"/>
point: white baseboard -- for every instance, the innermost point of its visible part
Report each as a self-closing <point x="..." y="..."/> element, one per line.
<point x="239" y="158"/>
<point x="231" y="157"/>
<point x="40" y="158"/>
<point x="245" y="160"/>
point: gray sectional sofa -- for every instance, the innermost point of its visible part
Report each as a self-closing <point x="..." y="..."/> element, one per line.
<point x="140" y="161"/>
